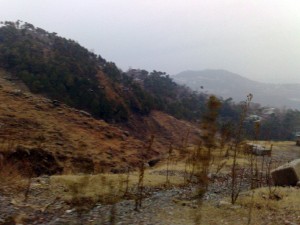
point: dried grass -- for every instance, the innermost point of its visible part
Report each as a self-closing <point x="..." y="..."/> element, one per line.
<point x="282" y="198"/>
<point x="106" y="186"/>
<point x="11" y="179"/>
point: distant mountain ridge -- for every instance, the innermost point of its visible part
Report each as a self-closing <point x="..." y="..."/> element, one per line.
<point x="230" y="85"/>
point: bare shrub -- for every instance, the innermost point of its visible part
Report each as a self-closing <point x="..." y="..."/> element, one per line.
<point x="168" y="162"/>
<point x="140" y="185"/>
<point x="202" y="158"/>
<point x="236" y="180"/>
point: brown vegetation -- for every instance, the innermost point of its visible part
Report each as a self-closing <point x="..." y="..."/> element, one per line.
<point x="49" y="138"/>
<point x="71" y="141"/>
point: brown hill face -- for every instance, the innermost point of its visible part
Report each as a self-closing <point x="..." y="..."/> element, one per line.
<point x="72" y="137"/>
<point x="165" y="128"/>
<point x="54" y="138"/>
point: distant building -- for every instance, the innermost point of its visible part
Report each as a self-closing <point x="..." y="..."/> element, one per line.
<point x="268" y="111"/>
<point x="254" y="118"/>
<point x="297" y="135"/>
<point x="257" y="149"/>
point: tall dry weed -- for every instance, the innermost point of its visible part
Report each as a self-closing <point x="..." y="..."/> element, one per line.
<point x="168" y="163"/>
<point x="237" y="178"/>
<point x="140" y="185"/>
<point x="202" y="157"/>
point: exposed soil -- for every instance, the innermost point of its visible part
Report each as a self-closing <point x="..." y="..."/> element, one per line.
<point x="75" y="142"/>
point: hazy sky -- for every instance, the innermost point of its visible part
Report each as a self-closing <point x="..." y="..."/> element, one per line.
<point x="259" y="39"/>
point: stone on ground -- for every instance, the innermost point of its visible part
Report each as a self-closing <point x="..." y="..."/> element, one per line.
<point x="287" y="174"/>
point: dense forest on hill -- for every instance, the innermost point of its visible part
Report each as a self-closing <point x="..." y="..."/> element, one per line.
<point x="61" y="69"/>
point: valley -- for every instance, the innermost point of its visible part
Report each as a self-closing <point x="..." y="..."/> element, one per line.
<point x="83" y="142"/>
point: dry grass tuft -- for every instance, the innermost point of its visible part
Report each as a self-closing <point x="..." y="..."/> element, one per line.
<point x="11" y="179"/>
<point x="282" y="198"/>
<point x="107" y="188"/>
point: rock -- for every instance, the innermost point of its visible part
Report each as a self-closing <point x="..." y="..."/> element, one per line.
<point x="17" y="92"/>
<point x="153" y="162"/>
<point x="287" y="174"/>
<point x="286" y="222"/>
<point x="123" y="137"/>
<point x="258" y="150"/>
<point x="59" y="143"/>
<point x="126" y="133"/>
<point x="235" y="207"/>
<point x="84" y="113"/>
<point x="46" y="100"/>
<point x="70" y="211"/>
<point x="55" y="103"/>
<point x="224" y="203"/>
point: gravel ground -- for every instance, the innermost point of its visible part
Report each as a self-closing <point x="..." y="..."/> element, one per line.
<point x="175" y="205"/>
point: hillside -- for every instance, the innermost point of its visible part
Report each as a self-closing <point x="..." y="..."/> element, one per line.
<point x="61" y="69"/>
<point x="68" y="140"/>
<point x="135" y="104"/>
<point x="231" y="85"/>
<point x="81" y="111"/>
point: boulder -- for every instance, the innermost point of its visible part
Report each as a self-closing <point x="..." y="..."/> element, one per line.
<point x="261" y="151"/>
<point x="287" y="174"/>
<point x="17" y="92"/>
<point x="258" y="150"/>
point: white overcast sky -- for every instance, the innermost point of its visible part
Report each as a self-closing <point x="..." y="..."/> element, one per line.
<point x="258" y="39"/>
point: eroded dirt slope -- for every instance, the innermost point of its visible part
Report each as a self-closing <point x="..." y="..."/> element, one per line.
<point x="54" y="138"/>
<point x="166" y="130"/>
<point x="72" y="138"/>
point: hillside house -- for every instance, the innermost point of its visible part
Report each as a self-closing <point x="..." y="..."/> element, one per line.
<point x="268" y="111"/>
<point x="253" y="118"/>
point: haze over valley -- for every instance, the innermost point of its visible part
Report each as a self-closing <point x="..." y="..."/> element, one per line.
<point x="230" y="85"/>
